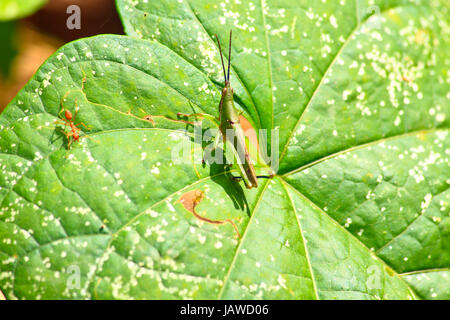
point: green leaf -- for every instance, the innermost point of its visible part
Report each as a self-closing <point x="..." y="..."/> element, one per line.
<point x="359" y="208"/>
<point x="429" y="284"/>
<point x="15" y="9"/>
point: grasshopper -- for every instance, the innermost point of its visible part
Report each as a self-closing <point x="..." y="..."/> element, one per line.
<point x="229" y="123"/>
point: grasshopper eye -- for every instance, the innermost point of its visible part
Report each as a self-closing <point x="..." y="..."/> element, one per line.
<point x="224" y="91"/>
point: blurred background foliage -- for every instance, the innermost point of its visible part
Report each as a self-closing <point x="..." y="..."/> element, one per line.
<point x="8" y="34"/>
<point x="32" y="30"/>
<point x="15" y="9"/>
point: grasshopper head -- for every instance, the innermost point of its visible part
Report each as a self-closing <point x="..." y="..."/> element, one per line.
<point x="227" y="90"/>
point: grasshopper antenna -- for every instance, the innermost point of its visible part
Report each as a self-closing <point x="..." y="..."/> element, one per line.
<point x="229" y="56"/>
<point x="221" y="58"/>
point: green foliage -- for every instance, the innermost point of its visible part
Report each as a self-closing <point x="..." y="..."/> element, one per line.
<point x="8" y="34"/>
<point x="15" y="9"/>
<point x="358" y="210"/>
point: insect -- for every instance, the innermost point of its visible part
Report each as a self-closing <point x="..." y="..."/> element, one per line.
<point x="69" y="120"/>
<point x="229" y="123"/>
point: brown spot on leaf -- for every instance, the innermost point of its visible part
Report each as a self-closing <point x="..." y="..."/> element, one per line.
<point x="191" y="199"/>
<point x="149" y="119"/>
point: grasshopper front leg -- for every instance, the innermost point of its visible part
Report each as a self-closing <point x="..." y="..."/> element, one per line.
<point x="216" y="139"/>
<point x="198" y="115"/>
<point x="209" y="149"/>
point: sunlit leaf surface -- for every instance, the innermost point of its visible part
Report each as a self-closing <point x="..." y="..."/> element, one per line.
<point x="359" y="208"/>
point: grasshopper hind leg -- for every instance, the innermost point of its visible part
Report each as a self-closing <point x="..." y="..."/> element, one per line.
<point x="239" y="178"/>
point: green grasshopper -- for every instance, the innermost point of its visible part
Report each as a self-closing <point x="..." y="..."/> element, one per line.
<point x="229" y="122"/>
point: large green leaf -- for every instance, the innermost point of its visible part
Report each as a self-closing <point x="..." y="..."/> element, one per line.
<point x="15" y="9"/>
<point x="358" y="210"/>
